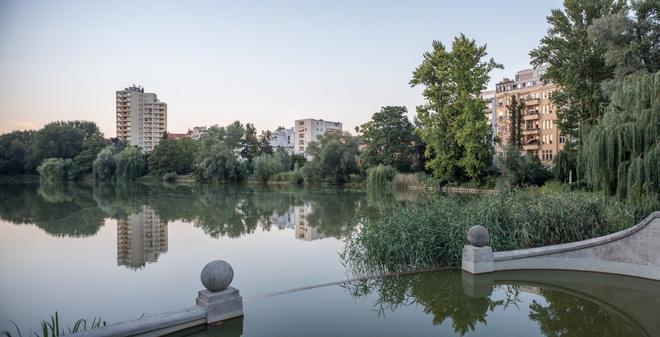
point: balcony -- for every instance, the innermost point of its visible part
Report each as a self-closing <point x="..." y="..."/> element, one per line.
<point x="533" y="101"/>
<point x="532" y="145"/>
<point x="532" y="131"/>
<point x="531" y="116"/>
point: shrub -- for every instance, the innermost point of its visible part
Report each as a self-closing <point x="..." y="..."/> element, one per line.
<point x="434" y="233"/>
<point x="296" y="178"/>
<point x="57" y="169"/>
<point x="524" y="170"/>
<point x="380" y="175"/>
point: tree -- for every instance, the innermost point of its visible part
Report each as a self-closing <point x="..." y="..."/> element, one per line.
<point x="452" y="122"/>
<point x="57" y="169"/>
<point x="91" y="147"/>
<point x="516" y="111"/>
<point x="104" y="166"/>
<point x="390" y="139"/>
<point x="266" y="166"/>
<point x="130" y="164"/>
<point x="14" y="151"/>
<point x="217" y="156"/>
<point x="576" y="63"/>
<point x="524" y="170"/>
<point x="60" y="140"/>
<point x="621" y="154"/>
<point x="334" y="158"/>
<point x="250" y="143"/>
<point x="632" y="38"/>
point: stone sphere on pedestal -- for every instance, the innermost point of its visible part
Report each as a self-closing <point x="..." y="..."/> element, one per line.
<point x="478" y="236"/>
<point x="217" y="275"/>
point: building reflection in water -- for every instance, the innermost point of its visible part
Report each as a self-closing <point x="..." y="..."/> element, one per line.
<point x="141" y="238"/>
<point x="296" y="218"/>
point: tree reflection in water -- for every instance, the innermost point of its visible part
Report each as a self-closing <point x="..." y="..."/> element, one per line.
<point x="441" y="295"/>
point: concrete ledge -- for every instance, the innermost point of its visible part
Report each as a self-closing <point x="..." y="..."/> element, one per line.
<point x="153" y="325"/>
<point x="634" y="251"/>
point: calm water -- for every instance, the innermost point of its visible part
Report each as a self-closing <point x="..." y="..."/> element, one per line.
<point x="120" y="252"/>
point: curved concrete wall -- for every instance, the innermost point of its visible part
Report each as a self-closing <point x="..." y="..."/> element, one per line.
<point x="634" y="251"/>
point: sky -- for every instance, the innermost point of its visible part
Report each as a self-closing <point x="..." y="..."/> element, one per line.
<point x="263" y="62"/>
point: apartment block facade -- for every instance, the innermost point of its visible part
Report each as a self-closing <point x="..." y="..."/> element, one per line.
<point x="308" y="130"/>
<point x="284" y="139"/>
<point x="141" y="117"/>
<point x="541" y="136"/>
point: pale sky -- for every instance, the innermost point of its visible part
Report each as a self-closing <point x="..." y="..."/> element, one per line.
<point x="264" y="62"/>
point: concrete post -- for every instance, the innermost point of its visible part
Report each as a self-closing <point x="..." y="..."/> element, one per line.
<point x="220" y="301"/>
<point x="477" y="257"/>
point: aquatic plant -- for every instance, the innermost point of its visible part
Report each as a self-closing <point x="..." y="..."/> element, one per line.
<point x="52" y="328"/>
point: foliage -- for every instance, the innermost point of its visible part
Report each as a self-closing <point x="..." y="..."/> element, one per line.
<point x="173" y="156"/>
<point x="130" y="164"/>
<point x="380" y="175"/>
<point x="60" y="140"/>
<point x="334" y="159"/>
<point x="621" y="155"/>
<point x="14" y="150"/>
<point x="266" y="166"/>
<point x="91" y="147"/>
<point x="632" y="38"/>
<point x="524" y="170"/>
<point x="104" y="166"/>
<point x="434" y="233"/>
<point x="296" y="177"/>
<point x="516" y="111"/>
<point x="52" y="328"/>
<point x="452" y="122"/>
<point x="217" y="157"/>
<point x="390" y="140"/>
<point x="57" y="169"/>
<point x="564" y="165"/>
<point x="576" y="63"/>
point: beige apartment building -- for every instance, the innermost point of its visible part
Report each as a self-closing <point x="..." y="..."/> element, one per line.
<point x="541" y="136"/>
<point x="141" y="118"/>
<point x="308" y="130"/>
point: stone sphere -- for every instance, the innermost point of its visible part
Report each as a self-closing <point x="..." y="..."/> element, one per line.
<point x="478" y="236"/>
<point x="217" y="275"/>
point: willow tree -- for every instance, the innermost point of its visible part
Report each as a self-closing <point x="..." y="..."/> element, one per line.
<point x="621" y="154"/>
<point x="452" y="122"/>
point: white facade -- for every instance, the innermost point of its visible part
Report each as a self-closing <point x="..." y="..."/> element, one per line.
<point x="283" y="138"/>
<point x="308" y="130"/>
<point x="141" y="118"/>
<point x="197" y="132"/>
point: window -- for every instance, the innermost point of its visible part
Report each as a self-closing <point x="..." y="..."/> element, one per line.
<point x="551" y="139"/>
<point x="301" y="142"/>
<point x="561" y="139"/>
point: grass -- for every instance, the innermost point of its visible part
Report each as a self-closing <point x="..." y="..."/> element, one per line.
<point x="433" y="234"/>
<point x="52" y="328"/>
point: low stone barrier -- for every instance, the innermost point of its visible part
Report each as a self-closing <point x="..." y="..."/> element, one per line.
<point x="217" y="303"/>
<point x="634" y="252"/>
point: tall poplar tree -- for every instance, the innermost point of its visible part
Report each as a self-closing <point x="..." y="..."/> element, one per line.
<point x="452" y="121"/>
<point x="516" y="111"/>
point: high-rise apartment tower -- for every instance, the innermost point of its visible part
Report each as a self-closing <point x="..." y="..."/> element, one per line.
<point x="141" y="118"/>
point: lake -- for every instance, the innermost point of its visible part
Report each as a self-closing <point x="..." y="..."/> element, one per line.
<point x="123" y="251"/>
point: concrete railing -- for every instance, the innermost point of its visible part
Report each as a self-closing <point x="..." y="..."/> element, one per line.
<point x="216" y="303"/>
<point x="633" y="252"/>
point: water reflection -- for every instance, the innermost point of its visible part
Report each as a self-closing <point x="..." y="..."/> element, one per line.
<point x="142" y="213"/>
<point x="141" y="238"/>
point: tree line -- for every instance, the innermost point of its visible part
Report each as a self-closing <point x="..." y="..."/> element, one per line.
<point x="604" y="56"/>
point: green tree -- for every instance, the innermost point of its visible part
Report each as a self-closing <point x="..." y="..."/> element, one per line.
<point x="130" y="164"/>
<point x="334" y="158"/>
<point x="621" y="155"/>
<point x="250" y="143"/>
<point x="91" y="147"/>
<point x="266" y="166"/>
<point x="60" y="140"/>
<point x="390" y="139"/>
<point x="57" y="169"/>
<point x="516" y="112"/>
<point x="452" y="122"/>
<point x="104" y="166"/>
<point x="14" y="151"/>
<point x="632" y="38"/>
<point x="576" y="63"/>
<point x="217" y="156"/>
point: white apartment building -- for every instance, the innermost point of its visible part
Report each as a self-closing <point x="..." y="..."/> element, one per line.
<point x="141" y="117"/>
<point x="308" y="130"/>
<point x="283" y="138"/>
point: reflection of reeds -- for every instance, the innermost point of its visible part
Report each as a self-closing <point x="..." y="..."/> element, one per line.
<point x="52" y="328"/>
